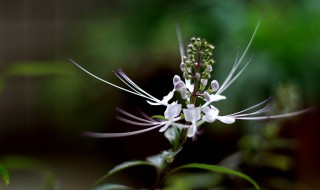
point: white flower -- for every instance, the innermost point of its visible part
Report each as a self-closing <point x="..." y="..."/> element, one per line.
<point x="172" y="112"/>
<point x="192" y="115"/>
<point x="211" y="114"/>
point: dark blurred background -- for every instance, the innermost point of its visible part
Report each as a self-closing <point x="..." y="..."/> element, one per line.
<point x="46" y="102"/>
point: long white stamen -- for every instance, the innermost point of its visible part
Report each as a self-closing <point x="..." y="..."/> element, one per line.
<point x="136" y="90"/>
<point x="121" y="88"/>
<point x="234" y="78"/>
<point x="146" y="116"/>
<point x="138" y="123"/>
<point x="263" y="110"/>
<point x="181" y="46"/>
<point x="261" y="103"/>
<point x="112" y="135"/>
<point x="134" y="85"/>
<point x="274" y="116"/>
<point x="133" y="116"/>
<point x="235" y="66"/>
<point x="251" y="39"/>
<point x="126" y="83"/>
<point x="237" y="56"/>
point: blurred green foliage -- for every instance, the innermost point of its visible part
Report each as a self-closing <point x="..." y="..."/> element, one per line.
<point x="4" y="174"/>
<point x="139" y="36"/>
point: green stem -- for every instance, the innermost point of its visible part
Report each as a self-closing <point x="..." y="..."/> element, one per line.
<point x="184" y="133"/>
<point x="163" y="174"/>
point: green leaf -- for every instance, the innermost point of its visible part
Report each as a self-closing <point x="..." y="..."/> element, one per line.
<point x="194" y="181"/>
<point x="31" y="164"/>
<point x="169" y="155"/>
<point x="109" y="186"/>
<point x="220" y="169"/>
<point x="156" y="160"/>
<point x="5" y="175"/>
<point x="121" y="167"/>
<point x="159" y="117"/>
<point x="276" y="161"/>
<point x="173" y="134"/>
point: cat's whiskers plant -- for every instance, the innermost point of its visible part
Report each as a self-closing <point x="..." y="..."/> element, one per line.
<point x="198" y="92"/>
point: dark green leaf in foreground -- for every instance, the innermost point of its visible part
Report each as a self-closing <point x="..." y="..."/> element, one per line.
<point x="119" y="168"/>
<point x="219" y="169"/>
<point x="5" y="175"/>
<point x="109" y="186"/>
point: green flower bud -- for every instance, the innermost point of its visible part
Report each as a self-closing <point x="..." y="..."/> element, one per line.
<point x="193" y="40"/>
<point x="205" y="75"/>
<point x="188" y="64"/>
<point x="184" y="58"/>
<point x="210" y="47"/>
<point x="211" y="61"/>
<point x="183" y="67"/>
<point x="197" y="76"/>
<point x="186" y="75"/>
<point x="208" y="68"/>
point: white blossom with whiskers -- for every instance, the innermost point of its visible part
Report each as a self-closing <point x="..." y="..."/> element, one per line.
<point x="193" y="116"/>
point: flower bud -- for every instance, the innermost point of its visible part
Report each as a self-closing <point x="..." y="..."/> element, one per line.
<point x="197" y="76"/>
<point x="204" y="82"/>
<point x="214" y="85"/>
<point x="186" y="75"/>
<point x="180" y="84"/>
<point x="182" y="66"/>
<point x="176" y="79"/>
<point x="209" y="68"/>
<point x="205" y="75"/>
<point x="191" y="57"/>
<point x="193" y="40"/>
<point x="184" y="93"/>
<point x="211" y="61"/>
<point x="206" y="96"/>
<point x="184" y="58"/>
<point x="188" y="63"/>
<point x="210" y="47"/>
<point x="205" y="43"/>
<point x="191" y="47"/>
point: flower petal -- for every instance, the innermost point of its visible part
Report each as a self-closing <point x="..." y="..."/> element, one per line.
<point x="192" y="114"/>
<point x="226" y="119"/>
<point x="214" y="98"/>
<point x="173" y="110"/>
<point x="168" y="97"/>
<point x="165" y="127"/>
<point x="210" y="114"/>
<point x="192" y="131"/>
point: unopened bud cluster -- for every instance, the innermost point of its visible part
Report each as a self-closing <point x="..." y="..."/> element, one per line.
<point x="196" y="66"/>
<point x="197" y="63"/>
